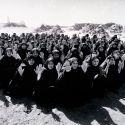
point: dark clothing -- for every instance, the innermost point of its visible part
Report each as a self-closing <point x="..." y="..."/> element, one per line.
<point x="76" y="80"/>
<point x="46" y="53"/>
<point x="65" y="50"/>
<point x="90" y="74"/>
<point x="38" y="61"/>
<point x="72" y="87"/>
<point x="24" y="85"/>
<point x="8" y="66"/>
<point x="45" y="91"/>
<point x="111" y="50"/>
<point x="112" y="80"/>
<point x="22" y="53"/>
<point x="89" y="79"/>
<point x="99" y="86"/>
<point x="56" y="61"/>
<point x="101" y="57"/>
<point x="122" y="75"/>
<point x="86" y="51"/>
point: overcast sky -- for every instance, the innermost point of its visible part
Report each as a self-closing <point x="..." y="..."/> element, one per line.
<point x="62" y="12"/>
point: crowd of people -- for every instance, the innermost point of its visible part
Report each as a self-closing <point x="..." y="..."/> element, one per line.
<point x="60" y="69"/>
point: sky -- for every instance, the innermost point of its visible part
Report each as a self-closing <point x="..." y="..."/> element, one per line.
<point x="62" y="12"/>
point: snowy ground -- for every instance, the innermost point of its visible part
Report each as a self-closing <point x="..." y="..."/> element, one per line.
<point x="107" y="111"/>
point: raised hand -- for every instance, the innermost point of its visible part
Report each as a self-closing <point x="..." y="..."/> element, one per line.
<point x="120" y="66"/>
<point x="123" y="57"/>
<point x="87" y="59"/>
<point x="69" y="54"/>
<point x="66" y="66"/>
<point x="41" y="55"/>
<point x="58" y="67"/>
<point x="15" y="55"/>
<point x="21" y="69"/>
<point x="84" y="66"/>
<point x="39" y="69"/>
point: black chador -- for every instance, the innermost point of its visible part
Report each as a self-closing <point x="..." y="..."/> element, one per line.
<point x="8" y="66"/>
<point x="45" y="91"/>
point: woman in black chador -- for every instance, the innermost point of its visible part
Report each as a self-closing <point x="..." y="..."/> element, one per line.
<point x="23" y="51"/>
<point x="8" y="66"/>
<point x="112" y="79"/>
<point x="91" y="74"/>
<point x="24" y="82"/>
<point x="37" y="58"/>
<point x="45" y="91"/>
<point x="71" y="83"/>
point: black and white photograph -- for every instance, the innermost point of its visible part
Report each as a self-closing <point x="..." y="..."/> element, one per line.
<point x="62" y="62"/>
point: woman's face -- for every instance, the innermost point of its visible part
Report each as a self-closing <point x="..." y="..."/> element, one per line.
<point x="56" y="56"/>
<point x="43" y="46"/>
<point x="101" y="49"/>
<point x="122" y="52"/>
<point x="35" y="53"/>
<point x="75" y="64"/>
<point x="95" y="62"/>
<point x="112" y="61"/>
<point x="84" y="46"/>
<point x="31" y="62"/>
<point x="23" y="46"/>
<point x="16" y="46"/>
<point x="81" y="55"/>
<point x="114" y="46"/>
<point x="9" y="53"/>
<point x="50" y="65"/>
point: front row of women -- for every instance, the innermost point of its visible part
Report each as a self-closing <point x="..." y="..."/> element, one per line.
<point x="67" y="84"/>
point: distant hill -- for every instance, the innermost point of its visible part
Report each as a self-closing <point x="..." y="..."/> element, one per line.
<point x="92" y="28"/>
<point x="50" y="29"/>
<point x="13" y="24"/>
<point x="43" y="28"/>
<point x="82" y="28"/>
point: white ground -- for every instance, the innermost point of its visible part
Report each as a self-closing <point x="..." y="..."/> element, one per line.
<point x="107" y="111"/>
